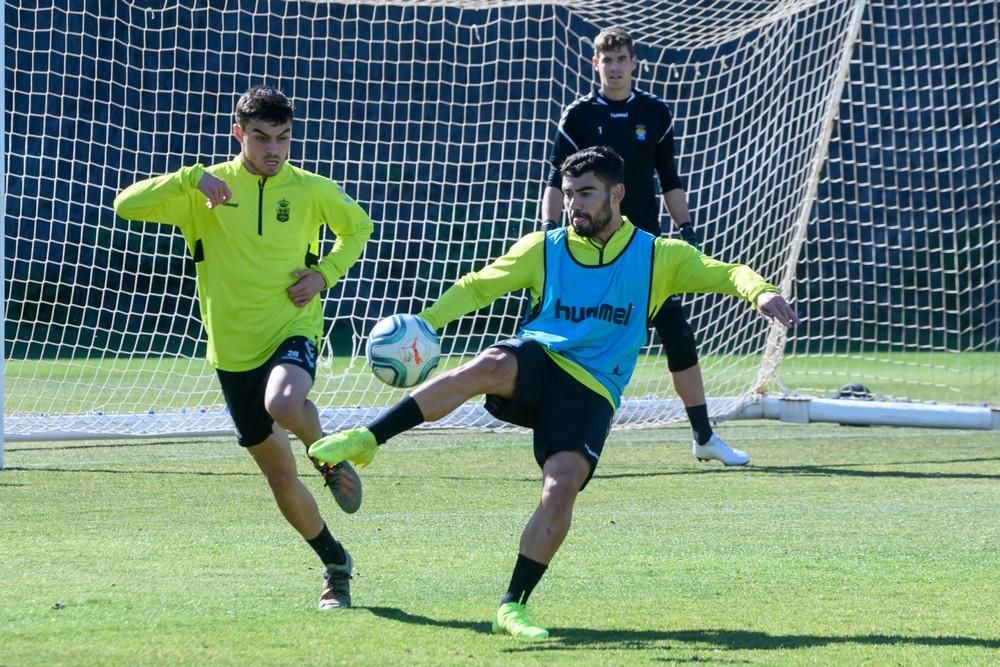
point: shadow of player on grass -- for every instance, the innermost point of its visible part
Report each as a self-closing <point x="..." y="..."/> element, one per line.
<point x="708" y="638"/>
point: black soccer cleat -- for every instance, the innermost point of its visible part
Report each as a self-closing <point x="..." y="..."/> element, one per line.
<point x="343" y="482"/>
<point x="337" y="586"/>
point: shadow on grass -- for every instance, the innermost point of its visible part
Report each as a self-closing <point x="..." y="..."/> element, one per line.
<point x="707" y="639"/>
<point x="424" y="477"/>
<point x="716" y="639"/>
<point x="152" y="470"/>
<point x="394" y="614"/>
<point x="833" y="470"/>
<point x="101" y="445"/>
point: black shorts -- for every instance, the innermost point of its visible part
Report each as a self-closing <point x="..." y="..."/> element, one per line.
<point x="565" y="415"/>
<point x="244" y="390"/>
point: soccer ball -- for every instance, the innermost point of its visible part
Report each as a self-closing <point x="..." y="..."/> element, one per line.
<point x="402" y="350"/>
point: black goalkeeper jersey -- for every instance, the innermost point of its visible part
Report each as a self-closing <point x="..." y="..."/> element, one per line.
<point x="640" y="129"/>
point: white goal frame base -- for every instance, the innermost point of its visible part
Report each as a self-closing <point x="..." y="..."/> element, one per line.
<point x="859" y="412"/>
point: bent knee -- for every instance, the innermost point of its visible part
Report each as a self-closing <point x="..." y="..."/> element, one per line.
<point x="493" y="368"/>
<point x="281" y="478"/>
<point x="565" y="477"/>
<point x="495" y="360"/>
<point x="562" y="486"/>
<point x="559" y="494"/>
<point x="285" y="409"/>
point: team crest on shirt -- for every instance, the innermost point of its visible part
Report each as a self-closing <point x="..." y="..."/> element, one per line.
<point x="282" y="213"/>
<point x="640" y="132"/>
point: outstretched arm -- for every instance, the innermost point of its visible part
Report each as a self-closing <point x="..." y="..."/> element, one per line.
<point x="680" y="268"/>
<point x="522" y="266"/>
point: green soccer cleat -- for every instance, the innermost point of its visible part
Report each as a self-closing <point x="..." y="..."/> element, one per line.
<point x="513" y="619"/>
<point x="356" y="445"/>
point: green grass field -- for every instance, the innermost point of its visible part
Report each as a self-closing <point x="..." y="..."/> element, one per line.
<point x="837" y="546"/>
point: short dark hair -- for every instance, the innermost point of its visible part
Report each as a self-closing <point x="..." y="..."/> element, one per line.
<point x="606" y="164"/>
<point x="265" y="103"/>
<point x="611" y="39"/>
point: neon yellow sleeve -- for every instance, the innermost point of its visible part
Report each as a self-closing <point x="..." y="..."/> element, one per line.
<point x="679" y="268"/>
<point x="353" y="228"/>
<point x="522" y="266"/>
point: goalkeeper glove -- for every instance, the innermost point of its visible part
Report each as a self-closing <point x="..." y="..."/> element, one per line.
<point x="549" y="224"/>
<point x="689" y="234"/>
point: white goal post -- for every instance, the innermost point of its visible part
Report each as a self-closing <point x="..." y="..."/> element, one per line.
<point x="844" y="149"/>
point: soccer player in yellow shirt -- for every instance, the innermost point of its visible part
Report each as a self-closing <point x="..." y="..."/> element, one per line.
<point x="252" y="225"/>
<point x="593" y="285"/>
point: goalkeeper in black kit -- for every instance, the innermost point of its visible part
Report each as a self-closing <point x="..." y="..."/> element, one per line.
<point x="639" y="127"/>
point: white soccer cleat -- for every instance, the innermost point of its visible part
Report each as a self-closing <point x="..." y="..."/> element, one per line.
<point x="717" y="449"/>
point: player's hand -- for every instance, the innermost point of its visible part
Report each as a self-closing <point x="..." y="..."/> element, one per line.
<point x="690" y="235"/>
<point x="215" y="189"/>
<point x="774" y="307"/>
<point x="308" y="283"/>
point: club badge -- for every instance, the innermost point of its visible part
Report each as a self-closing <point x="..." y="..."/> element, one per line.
<point x="282" y="214"/>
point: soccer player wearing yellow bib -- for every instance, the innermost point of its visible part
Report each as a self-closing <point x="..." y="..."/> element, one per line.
<point x="252" y="226"/>
<point x="593" y="285"/>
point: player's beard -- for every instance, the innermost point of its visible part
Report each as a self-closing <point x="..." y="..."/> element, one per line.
<point x="594" y="224"/>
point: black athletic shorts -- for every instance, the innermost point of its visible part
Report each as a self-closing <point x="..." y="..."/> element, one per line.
<point x="564" y="414"/>
<point x="244" y="390"/>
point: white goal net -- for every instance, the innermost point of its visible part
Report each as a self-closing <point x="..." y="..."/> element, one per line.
<point x="845" y="150"/>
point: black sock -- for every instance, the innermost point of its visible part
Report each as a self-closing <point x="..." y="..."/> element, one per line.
<point x="527" y="574"/>
<point x="401" y="417"/>
<point x="698" y="415"/>
<point x="328" y="549"/>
